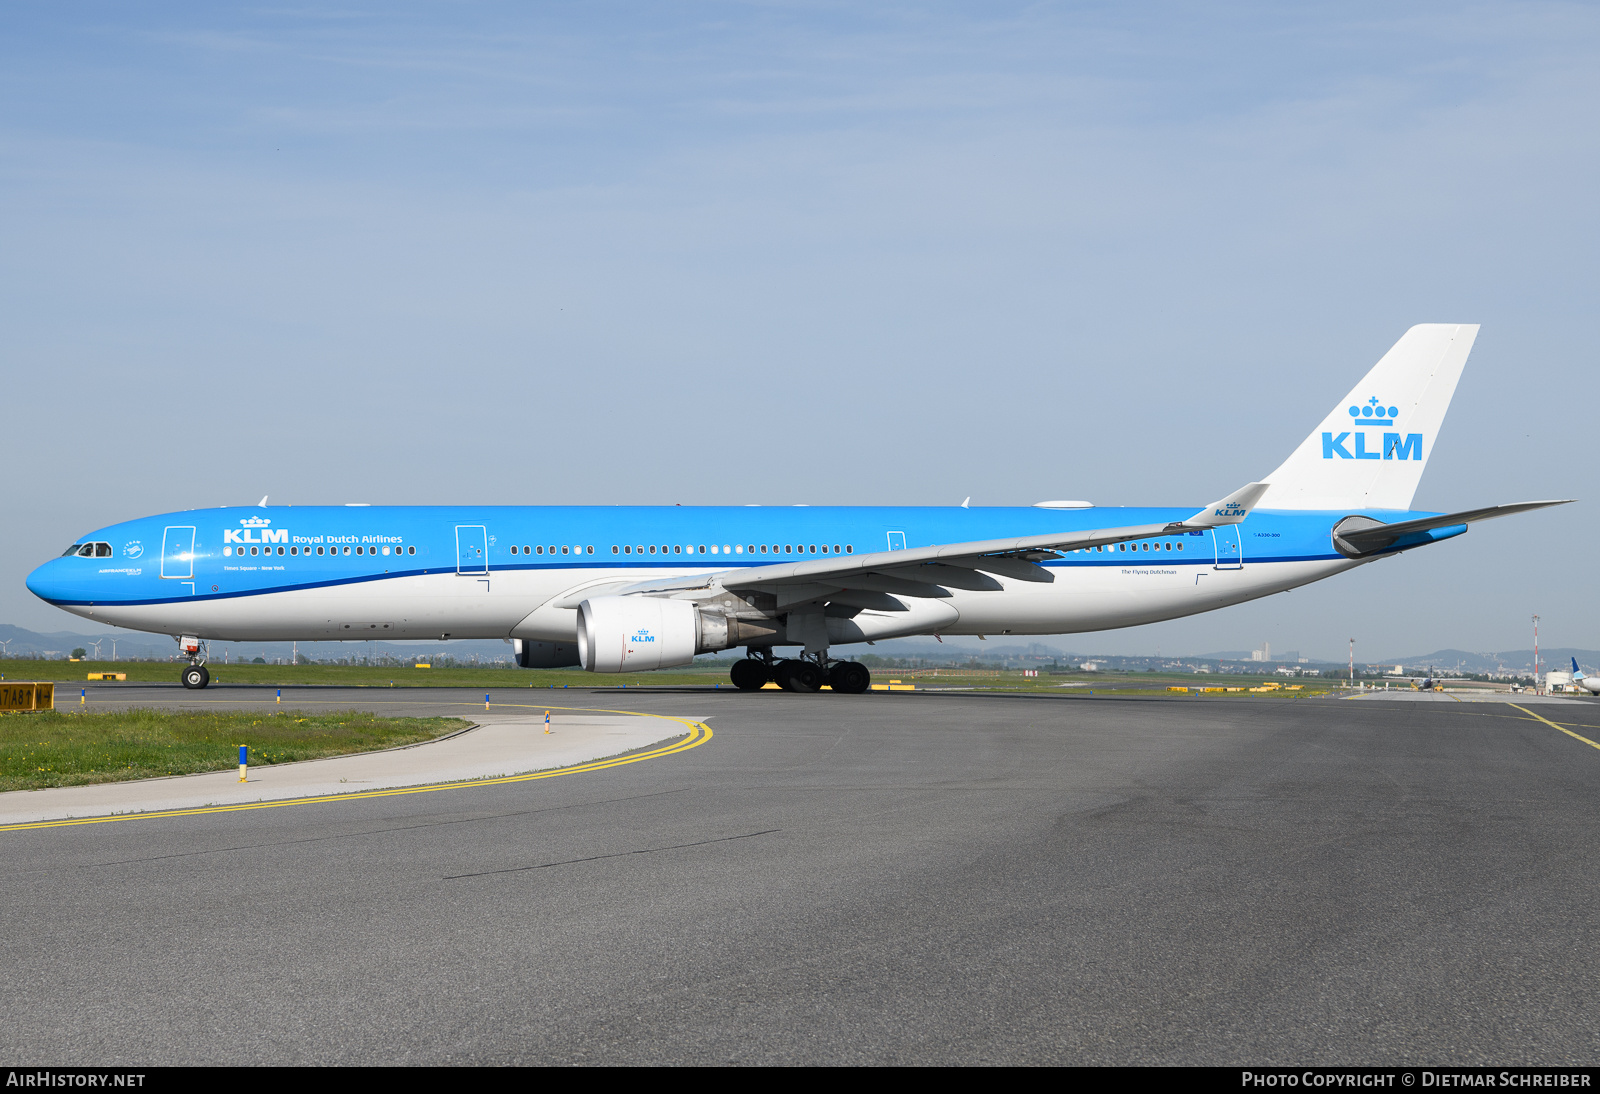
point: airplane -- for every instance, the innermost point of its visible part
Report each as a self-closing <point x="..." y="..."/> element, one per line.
<point x="629" y="589"/>
<point x="1425" y="683"/>
<point x="1587" y="683"/>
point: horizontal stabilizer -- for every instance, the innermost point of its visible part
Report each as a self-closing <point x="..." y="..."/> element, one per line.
<point x="1358" y="537"/>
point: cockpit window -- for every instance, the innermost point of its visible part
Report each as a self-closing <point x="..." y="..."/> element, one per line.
<point x="86" y="551"/>
<point x="71" y="550"/>
<point x="102" y="550"/>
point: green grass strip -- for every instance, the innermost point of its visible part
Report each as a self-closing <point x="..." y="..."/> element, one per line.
<point x="69" y="748"/>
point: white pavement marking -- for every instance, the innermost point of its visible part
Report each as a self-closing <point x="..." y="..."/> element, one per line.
<point x="1409" y="696"/>
<point x="501" y="744"/>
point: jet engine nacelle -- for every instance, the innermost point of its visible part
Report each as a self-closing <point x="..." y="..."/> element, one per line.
<point x="533" y="654"/>
<point x="639" y="633"/>
<point x="636" y="633"/>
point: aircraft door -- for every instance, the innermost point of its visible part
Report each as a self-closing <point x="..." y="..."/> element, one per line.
<point x="472" y="549"/>
<point x="897" y="541"/>
<point x="1230" y="553"/>
<point x="177" y="552"/>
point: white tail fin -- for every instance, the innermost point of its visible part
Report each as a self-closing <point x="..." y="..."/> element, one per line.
<point x="1369" y="452"/>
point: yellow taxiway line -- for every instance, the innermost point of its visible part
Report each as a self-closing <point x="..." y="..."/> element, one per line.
<point x="1552" y="725"/>
<point x="699" y="734"/>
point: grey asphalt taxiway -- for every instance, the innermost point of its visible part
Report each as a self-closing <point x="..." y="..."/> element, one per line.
<point x="902" y="878"/>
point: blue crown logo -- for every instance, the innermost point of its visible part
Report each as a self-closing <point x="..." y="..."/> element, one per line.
<point x="255" y="522"/>
<point x="1374" y="413"/>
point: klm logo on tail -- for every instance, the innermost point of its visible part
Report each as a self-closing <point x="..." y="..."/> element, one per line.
<point x="1369" y="416"/>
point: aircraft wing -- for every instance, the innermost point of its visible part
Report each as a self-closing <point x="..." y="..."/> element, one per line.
<point x="874" y="580"/>
<point x="1363" y="536"/>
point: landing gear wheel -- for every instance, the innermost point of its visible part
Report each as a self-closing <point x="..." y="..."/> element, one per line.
<point x="797" y="675"/>
<point x="196" y="677"/>
<point x="849" y="677"/>
<point x="749" y="674"/>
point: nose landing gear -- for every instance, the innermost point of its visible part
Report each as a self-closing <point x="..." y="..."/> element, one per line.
<point x="196" y="675"/>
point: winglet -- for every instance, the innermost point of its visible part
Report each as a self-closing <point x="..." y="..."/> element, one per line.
<point x="1231" y="510"/>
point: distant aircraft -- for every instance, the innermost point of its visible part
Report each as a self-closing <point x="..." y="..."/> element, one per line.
<point x="1587" y="683"/>
<point x="631" y="589"/>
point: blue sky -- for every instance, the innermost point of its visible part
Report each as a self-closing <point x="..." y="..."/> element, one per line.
<point x="778" y="253"/>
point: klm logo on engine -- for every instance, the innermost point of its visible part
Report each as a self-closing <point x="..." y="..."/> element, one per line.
<point x="1372" y="415"/>
<point x="247" y="534"/>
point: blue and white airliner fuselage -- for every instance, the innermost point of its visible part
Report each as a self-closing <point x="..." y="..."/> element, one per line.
<point x="252" y="574"/>
<point x="620" y="589"/>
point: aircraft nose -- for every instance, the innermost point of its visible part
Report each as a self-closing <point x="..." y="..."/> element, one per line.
<point x="48" y="582"/>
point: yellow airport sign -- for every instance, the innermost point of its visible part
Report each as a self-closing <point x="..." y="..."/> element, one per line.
<point x="27" y="695"/>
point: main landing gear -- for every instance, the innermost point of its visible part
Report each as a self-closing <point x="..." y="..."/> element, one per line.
<point x="800" y="673"/>
<point x="195" y="674"/>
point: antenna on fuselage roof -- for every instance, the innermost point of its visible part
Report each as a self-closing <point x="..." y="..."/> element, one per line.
<point x="262" y="504"/>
